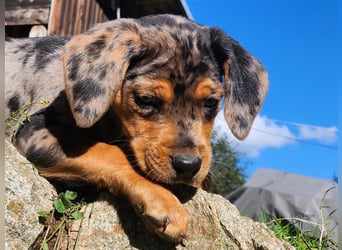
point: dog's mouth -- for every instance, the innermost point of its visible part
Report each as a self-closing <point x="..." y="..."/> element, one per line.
<point x="171" y="178"/>
<point x="177" y="169"/>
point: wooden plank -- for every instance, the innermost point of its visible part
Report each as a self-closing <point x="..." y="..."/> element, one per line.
<point x="27" y="16"/>
<point x="56" y="17"/>
<point x="79" y="17"/>
<point x="27" y="4"/>
<point x="69" y="18"/>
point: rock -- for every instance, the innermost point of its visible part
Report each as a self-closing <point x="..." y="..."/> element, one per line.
<point x="26" y="193"/>
<point x="111" y="223"/>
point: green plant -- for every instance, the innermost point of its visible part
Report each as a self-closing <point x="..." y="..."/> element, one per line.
<point x="292" y="230"/>
<point x="21" y="115"/>
<point x="67" y="210"/>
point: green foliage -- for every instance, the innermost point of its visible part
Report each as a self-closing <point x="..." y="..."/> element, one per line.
<point x="64" y="201"/>
<point x="43" y="214"/>
<point x="67" y="210"/>
<point x="21" y="115"/>
<point x="226" y="173"/>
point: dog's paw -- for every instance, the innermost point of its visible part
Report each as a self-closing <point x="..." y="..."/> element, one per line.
<point x="165" y="215"/>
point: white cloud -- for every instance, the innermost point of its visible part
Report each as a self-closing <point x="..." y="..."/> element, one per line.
<point x="322" y="134"/>
<point x="269" y="133"/>
<point x="265" y="133"/>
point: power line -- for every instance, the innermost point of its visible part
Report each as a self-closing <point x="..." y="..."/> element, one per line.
<point x="291" y="137"/>
<point x="296" y="139"/>
<point x="297" y="124"/>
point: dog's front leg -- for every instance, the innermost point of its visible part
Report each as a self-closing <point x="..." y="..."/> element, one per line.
<point x="68" y="154"/>
<point x="107" y="166"/>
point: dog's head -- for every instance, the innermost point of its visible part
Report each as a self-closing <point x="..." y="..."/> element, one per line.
<point x="164" y="77"/>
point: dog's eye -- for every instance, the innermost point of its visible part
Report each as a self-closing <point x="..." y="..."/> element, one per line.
<point x="149" y="104"/>
<point x="210" y="107"/>
<point x="145" y="100"/>
<point x="211" y="103"/>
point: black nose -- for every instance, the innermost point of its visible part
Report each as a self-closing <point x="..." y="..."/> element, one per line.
<point x="186" y="166"/>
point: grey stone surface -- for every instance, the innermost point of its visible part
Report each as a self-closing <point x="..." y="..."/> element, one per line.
<point x="215" y="224"/>
<point x="111" y="223"/>
<point x="26" y="193"/>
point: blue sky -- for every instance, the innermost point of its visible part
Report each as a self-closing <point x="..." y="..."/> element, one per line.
<point x="297" y="128"/>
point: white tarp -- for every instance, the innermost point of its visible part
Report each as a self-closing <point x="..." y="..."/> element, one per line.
<point x="287" y="196"/>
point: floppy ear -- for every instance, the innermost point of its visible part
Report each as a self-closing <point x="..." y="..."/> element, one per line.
<point x="245" y="83"/>
<point x="95" y="64"/>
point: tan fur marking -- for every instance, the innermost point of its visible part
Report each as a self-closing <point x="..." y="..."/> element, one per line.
<point x="205" y="88"/>
<point x="162" y="89"/>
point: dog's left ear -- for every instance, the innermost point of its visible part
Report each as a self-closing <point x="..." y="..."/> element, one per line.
<point x="95" y="64"/>
<point x="245" y="82"/>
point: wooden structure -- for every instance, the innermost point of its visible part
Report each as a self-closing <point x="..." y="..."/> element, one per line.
<point x="72" y="17"/>
<point x="27" y="12"/>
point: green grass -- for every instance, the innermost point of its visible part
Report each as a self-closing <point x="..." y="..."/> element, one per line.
<point x="292" y="230"/>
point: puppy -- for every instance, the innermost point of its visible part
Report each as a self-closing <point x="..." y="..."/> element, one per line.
<point x="129" y="106"/>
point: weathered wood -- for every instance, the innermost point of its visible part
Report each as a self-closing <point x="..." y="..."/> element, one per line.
<point x="69" y="18"/>
<point x="27" y="16"/>
<point x="27" y="4"/>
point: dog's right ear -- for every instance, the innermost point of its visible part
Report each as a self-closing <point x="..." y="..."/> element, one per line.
<point x="95" y="64"/>
<point x="245" y="82"/>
